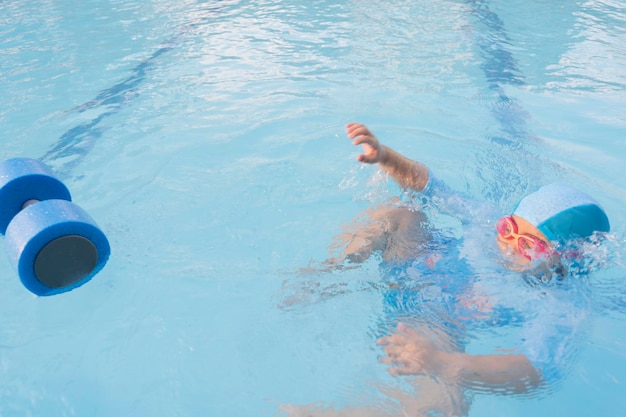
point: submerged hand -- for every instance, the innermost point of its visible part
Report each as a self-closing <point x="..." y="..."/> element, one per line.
<point x="410" y="353"/>
<point x="361" y="135"/>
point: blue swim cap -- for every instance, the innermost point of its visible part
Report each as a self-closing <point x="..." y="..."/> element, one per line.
<point x="561" y="212"/>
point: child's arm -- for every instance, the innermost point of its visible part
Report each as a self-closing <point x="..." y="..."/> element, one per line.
<point x="412" y="353"/>
<point x="406" y="172"/>
<point x="510" y="372"/>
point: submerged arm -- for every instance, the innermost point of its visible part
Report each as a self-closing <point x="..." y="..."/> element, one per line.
<point x="406" y="172"/>
<point x="412" y="353"/>
<point x="511" y="372"/>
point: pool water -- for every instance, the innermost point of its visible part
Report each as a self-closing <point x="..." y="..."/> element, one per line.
<point x="207" y="140"/>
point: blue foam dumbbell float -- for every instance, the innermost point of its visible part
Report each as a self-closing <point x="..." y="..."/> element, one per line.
<point x="54" y="245"/>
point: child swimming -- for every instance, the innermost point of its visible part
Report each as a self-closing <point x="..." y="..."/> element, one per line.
<point x="435" y="297"/>
<point x="541" y="222"/>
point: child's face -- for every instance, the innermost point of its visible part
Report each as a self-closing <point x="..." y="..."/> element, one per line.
<point x="522" y="241"/>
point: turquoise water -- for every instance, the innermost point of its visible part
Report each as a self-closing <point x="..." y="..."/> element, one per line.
<point x="207" y="140"/>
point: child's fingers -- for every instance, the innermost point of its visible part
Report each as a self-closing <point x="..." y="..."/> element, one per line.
<point x="405" y="330"/>
<point x="364" y="139"/>
<point x="405" y="369"/>
<point x="357" y="130"/>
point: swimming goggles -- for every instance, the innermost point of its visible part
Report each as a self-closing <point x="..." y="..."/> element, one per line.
<point x="528" y="245"/>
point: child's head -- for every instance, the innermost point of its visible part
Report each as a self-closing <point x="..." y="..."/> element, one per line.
<point x="552" y="215"/>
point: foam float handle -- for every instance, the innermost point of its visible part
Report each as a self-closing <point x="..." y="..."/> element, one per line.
<point x="53" y="244"/>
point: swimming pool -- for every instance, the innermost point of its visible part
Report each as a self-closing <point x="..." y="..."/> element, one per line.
<point x="206" y="139"/>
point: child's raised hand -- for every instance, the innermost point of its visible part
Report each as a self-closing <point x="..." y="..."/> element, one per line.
<point x="361" y="135"/>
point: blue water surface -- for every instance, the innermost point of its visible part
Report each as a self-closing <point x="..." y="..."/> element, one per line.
<point x="206" y="139"/>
